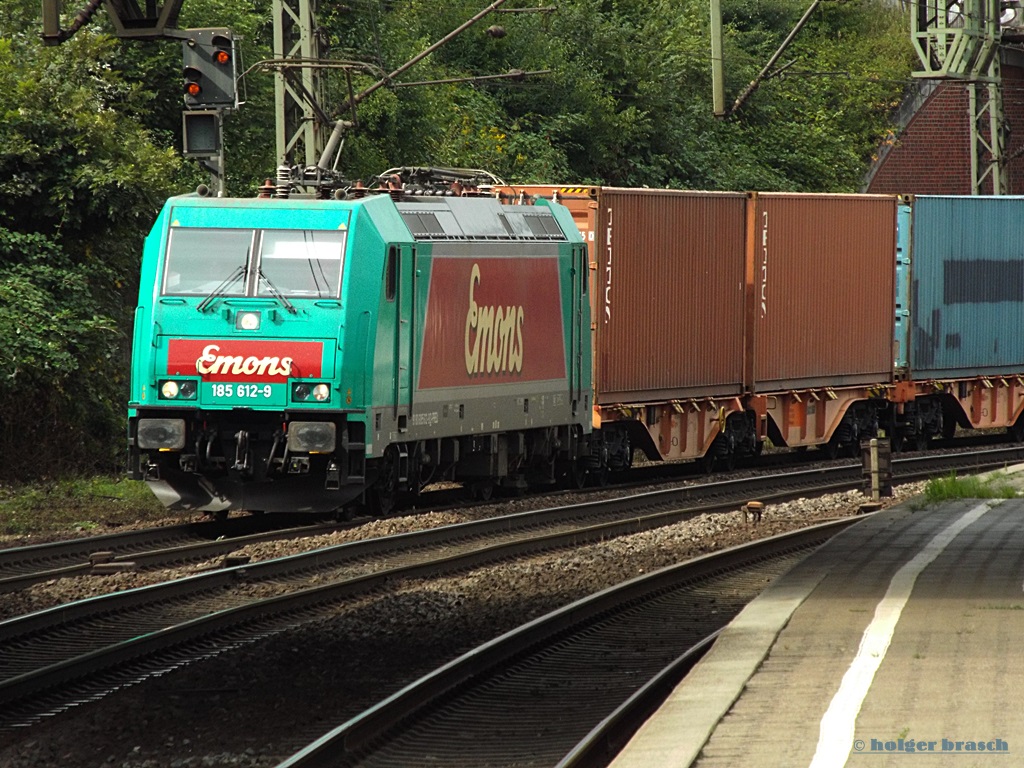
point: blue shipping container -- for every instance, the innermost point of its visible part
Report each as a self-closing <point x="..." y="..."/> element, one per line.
<point x="967" y="286"/>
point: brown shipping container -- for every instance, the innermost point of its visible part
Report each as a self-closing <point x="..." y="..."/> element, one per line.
<point x="667" y="292"/>
<point x="668" y="310"/>
<point x="822" y="269"/>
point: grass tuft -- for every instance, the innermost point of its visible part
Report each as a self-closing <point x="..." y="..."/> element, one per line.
<point x="84" y="504"/>
<point x="953" y="487"/>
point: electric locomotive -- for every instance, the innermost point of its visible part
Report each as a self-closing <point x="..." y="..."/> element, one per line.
<point x="308" y="355"/>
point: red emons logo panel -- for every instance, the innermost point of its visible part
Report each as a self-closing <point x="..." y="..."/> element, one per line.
<point x="238" y="360"/>
<point x="492" y="321"/>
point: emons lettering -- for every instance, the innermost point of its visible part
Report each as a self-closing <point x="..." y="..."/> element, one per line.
<point x="212" y="363"/>
<point x="494" y="335"/>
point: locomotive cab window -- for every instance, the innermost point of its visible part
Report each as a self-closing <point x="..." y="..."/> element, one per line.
<point x="301" y="264"/>
<point x="201" y="260"/>
<point x="221" y="262"/>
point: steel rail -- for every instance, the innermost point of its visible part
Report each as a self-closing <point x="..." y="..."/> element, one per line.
<point x="60" y="634"/>
<point x="456" y="682"/>
<point x="149" y="547"/>
<point x="76" y="662"/>
<point x="606" y="739"/>
<point x="158" y="547"/>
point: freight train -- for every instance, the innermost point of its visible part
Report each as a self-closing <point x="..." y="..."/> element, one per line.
<point x="298" y="354"/>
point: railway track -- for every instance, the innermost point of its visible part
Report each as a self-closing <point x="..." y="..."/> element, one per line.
<point x="71" y="653"/>
<point x="167" y="546"/>
<point x="547" y="693"/>
<point x="149" y="548"/>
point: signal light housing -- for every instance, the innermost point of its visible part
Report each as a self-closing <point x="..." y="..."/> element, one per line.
<point x="209" y="69"/>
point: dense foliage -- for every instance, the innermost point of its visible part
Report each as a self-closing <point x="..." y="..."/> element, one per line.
<point x="90" y="131"/>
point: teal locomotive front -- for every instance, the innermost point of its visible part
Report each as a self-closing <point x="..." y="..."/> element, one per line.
<point x="294" y="355"/>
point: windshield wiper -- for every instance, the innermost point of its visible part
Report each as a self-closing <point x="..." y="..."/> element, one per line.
<point x="221" y="289"/>
<point x="277" y="294"/>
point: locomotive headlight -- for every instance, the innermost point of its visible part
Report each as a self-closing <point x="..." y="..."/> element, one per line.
<point x="301" y="392"/>
<point x="247" y="321"/>
<point x="311" y="437"/>
<point x="177" y="390"/>
<point x="161" y="434"/>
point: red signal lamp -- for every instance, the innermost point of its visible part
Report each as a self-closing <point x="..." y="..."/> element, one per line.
<point x="192" y="78"/>
<point x="222" y="45"/>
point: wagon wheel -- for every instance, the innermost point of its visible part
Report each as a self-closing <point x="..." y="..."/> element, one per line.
<point x="482" y="490"/>
<point x="730" y="461"/>
<point x="1016" y="431"/>
<point x="628" y="451"/>
<point x="831" y="448"/>
<point x="707" y="462"/>
<point x="384" y="493"/>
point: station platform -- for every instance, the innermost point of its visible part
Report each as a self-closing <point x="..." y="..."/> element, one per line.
<point x="901" y="638"/>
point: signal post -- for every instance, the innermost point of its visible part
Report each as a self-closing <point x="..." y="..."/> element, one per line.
<point x="209" y="86"/>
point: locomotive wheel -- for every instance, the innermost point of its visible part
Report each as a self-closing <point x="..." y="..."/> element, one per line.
<point x="575" y="477"/>
<point x="384" y="494"/>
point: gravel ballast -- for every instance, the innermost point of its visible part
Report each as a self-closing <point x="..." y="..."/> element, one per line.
<point x="251" y="707"/>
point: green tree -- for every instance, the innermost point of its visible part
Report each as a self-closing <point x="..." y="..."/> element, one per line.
<point x="91" y="131"/>
<point x="81" y="183"/>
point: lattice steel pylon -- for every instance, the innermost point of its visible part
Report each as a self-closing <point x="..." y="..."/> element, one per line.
<point x="959" y="40"/>
<point x="301" y="136"/>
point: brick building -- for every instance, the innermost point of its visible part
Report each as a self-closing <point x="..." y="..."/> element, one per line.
<point x="931" y="153"/>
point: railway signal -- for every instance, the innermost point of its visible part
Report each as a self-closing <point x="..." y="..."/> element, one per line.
<point x="208" y="59"/>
